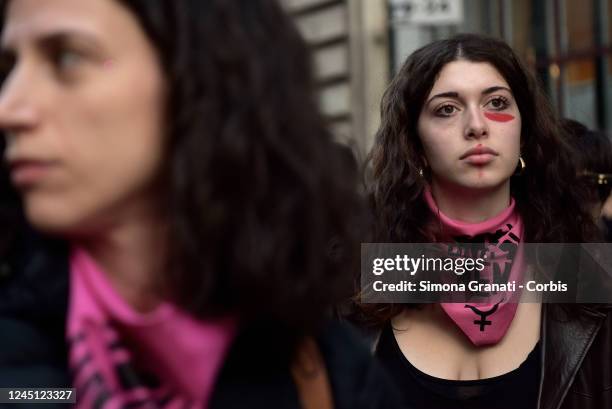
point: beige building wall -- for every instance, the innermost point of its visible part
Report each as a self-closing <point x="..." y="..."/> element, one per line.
<point x="351" y="58"/>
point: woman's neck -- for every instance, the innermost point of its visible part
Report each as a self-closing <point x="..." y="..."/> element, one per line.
<point x="132" y="253"/>
<point x="471" y="205"/>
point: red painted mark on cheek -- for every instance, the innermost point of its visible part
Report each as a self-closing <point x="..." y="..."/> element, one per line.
<point x="498" y="117"/>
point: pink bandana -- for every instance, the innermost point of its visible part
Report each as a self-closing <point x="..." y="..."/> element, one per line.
<point x="122" y="358"/>
<point x="487" y="323"/>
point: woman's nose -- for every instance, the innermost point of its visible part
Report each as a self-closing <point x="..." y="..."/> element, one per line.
<point x="476" y="126"/>
<point x="17" y="108"/>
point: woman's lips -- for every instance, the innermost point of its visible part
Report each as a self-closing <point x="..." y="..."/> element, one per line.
<point x="479" y="155"/>
<point x="480" y="159"/>
<point x="28" y="172"/>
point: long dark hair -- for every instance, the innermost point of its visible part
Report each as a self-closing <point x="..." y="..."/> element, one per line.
<point x="262" y="204"/>
<point x="548" y="195"/>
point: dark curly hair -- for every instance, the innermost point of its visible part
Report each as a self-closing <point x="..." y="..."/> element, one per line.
<point x="548" y="194"/>
<point x="262" y="204"/>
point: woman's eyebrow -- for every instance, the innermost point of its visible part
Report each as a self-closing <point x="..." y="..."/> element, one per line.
<point x="495" y="88"/>
<point x="45" y="39"/>
<point x="451" y="94"/>
<point x="67" y="37"/>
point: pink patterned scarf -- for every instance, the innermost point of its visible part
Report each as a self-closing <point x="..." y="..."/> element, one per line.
<point x="120" y="358"/>
<point x="486" y="323"/>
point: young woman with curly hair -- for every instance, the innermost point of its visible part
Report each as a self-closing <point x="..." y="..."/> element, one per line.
<point x="176" y="207"/>
<point x="470" y="150"/>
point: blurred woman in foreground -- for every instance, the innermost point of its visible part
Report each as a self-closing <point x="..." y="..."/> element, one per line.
<point x="187" y="219"/>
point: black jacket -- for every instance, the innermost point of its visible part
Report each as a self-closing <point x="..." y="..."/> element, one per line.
<point x="33" y="352"/>
<point x="576" y="358"/>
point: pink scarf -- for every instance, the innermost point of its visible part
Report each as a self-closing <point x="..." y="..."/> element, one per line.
<point x="120" y="357"/>
<point x="487" y="323"/>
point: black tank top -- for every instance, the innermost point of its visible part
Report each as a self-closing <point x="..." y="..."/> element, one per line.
<point x="517" y="389"/>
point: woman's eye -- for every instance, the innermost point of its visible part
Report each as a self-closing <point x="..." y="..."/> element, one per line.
<point x="498" y="103"/>
<point x="67" y="60"/>
<point x="446" y="110"/>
